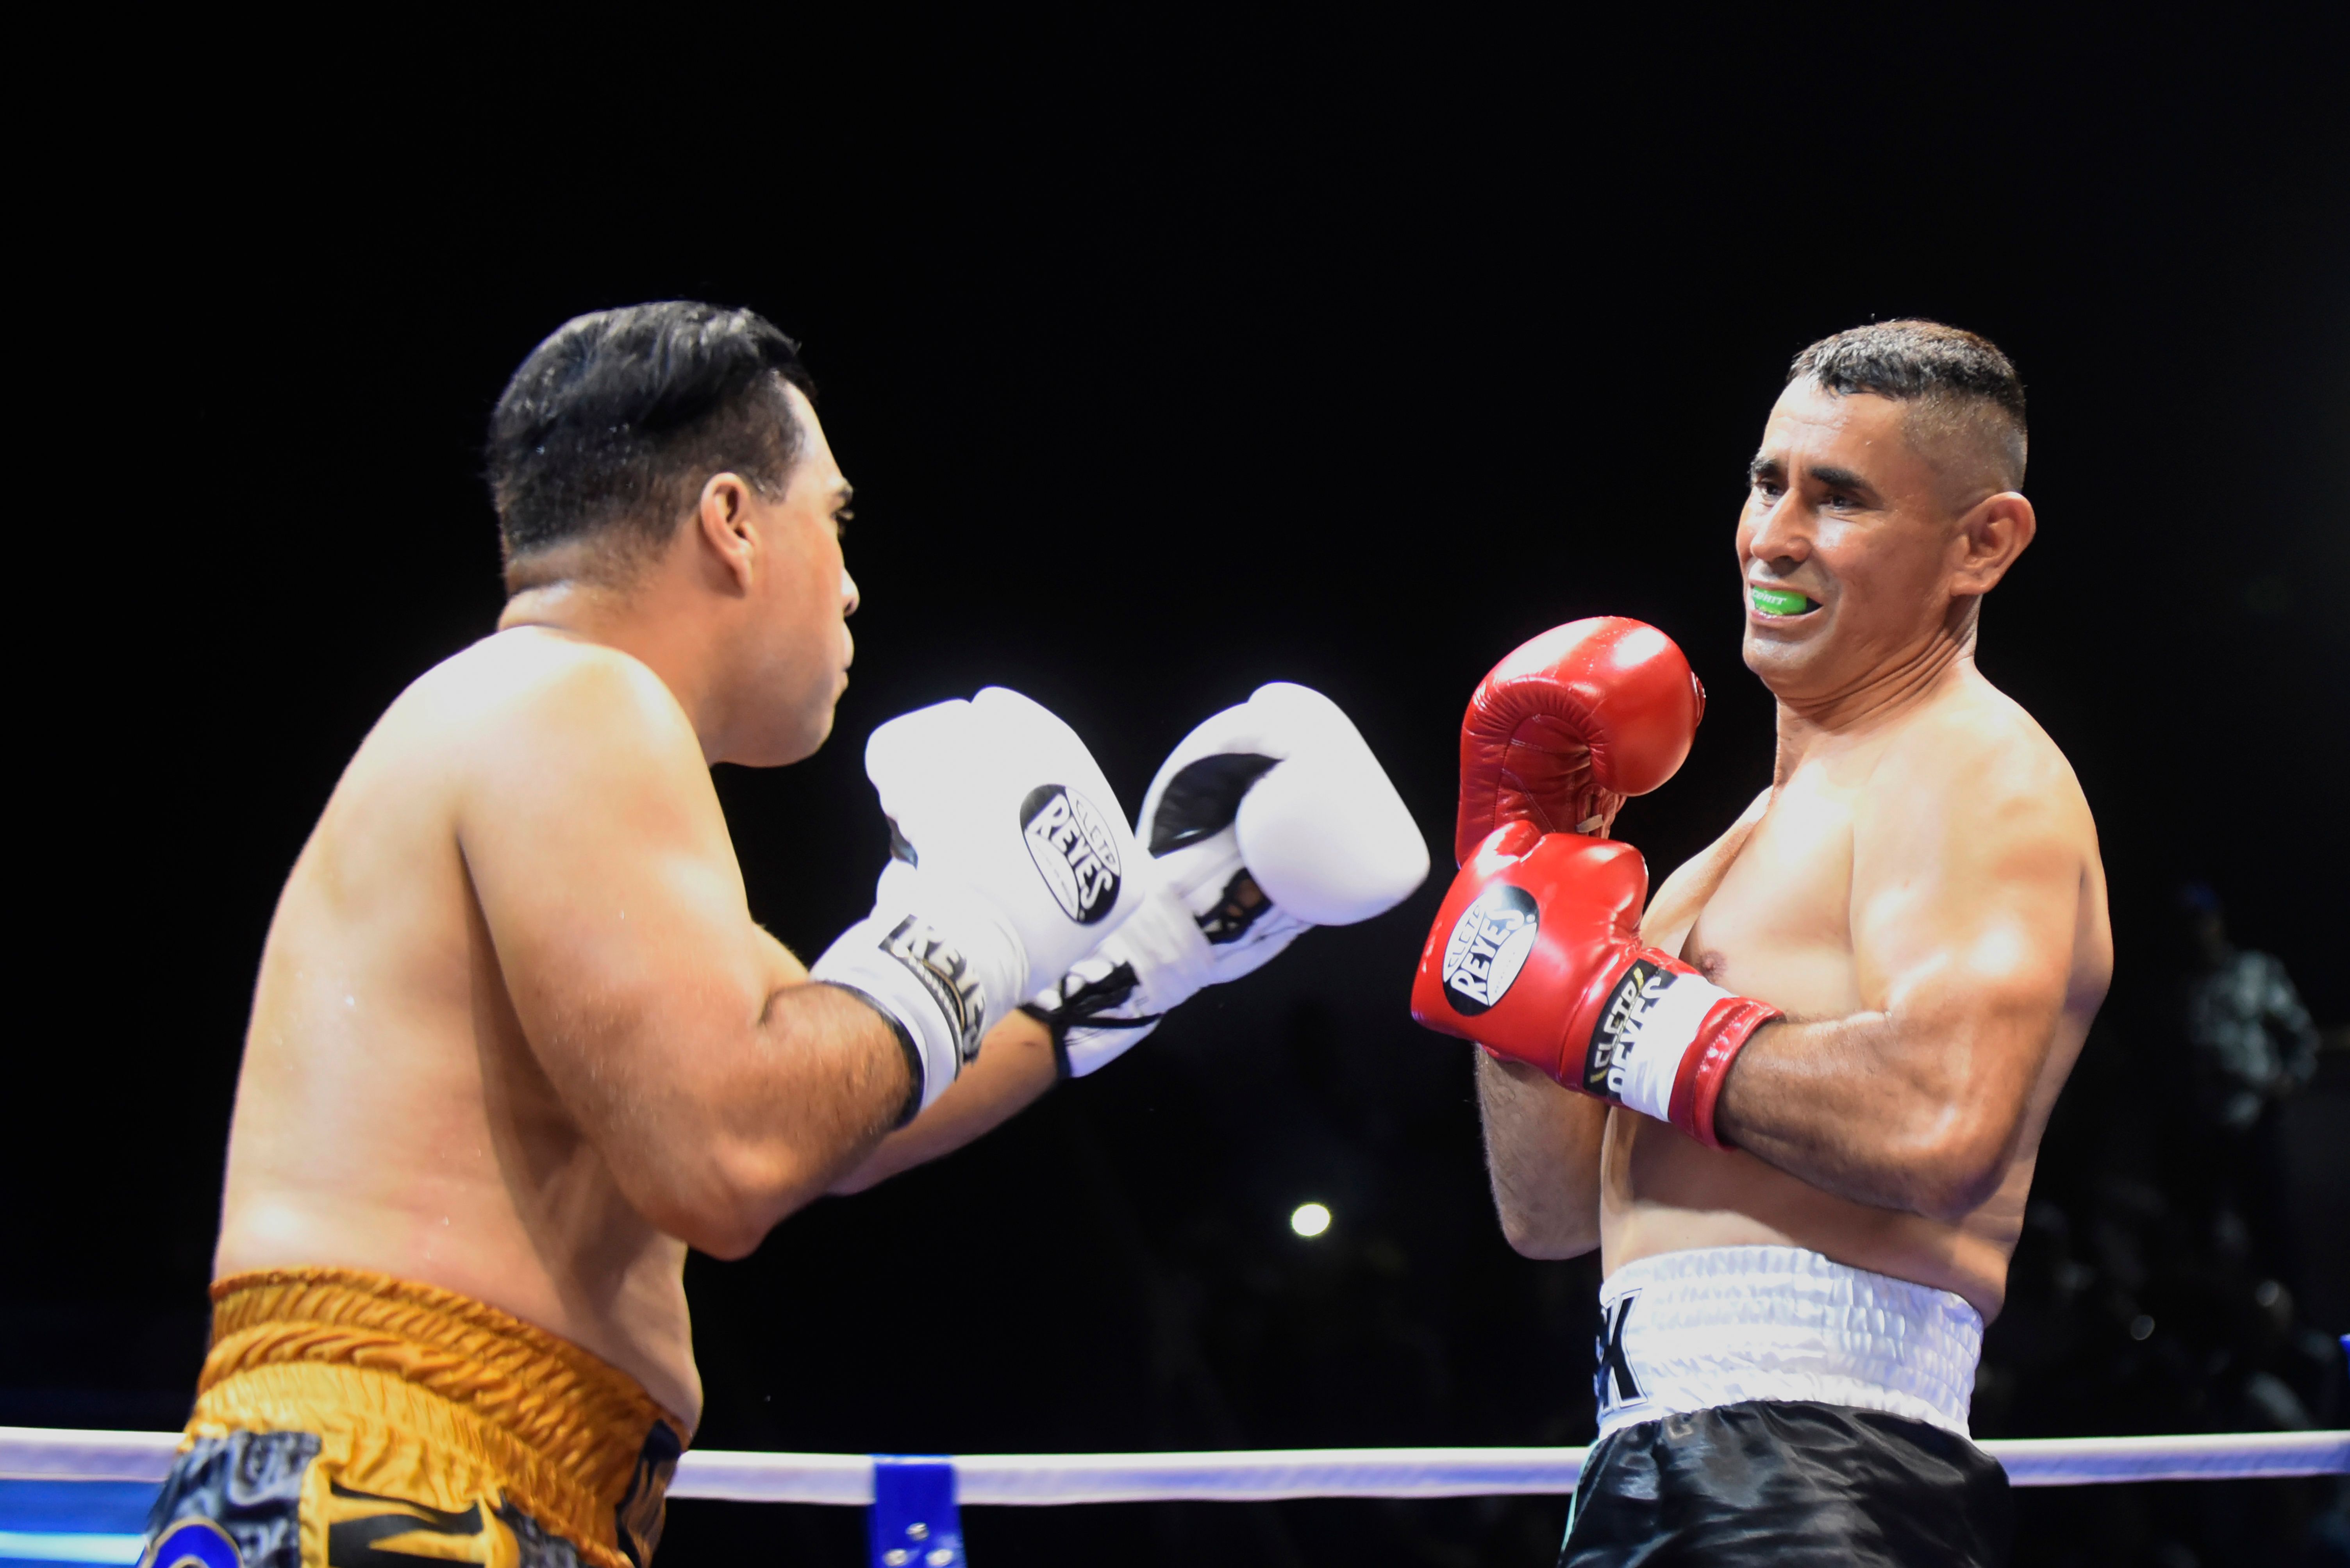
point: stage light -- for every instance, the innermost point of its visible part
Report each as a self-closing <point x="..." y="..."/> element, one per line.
<point x="1309" y="1220"/>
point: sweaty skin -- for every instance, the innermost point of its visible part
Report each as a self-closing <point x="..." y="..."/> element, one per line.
<point x="516" y="1033"/>
<point x="1919" y="889"/>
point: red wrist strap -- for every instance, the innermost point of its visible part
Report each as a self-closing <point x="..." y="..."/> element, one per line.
<point x="1706" y="1063"/>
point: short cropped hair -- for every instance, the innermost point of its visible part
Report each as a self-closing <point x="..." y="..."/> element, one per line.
<point x="611" y="427"/>
<point x="1967" y="392"/>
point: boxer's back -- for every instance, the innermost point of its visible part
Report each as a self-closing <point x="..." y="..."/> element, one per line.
<point x="390" y="1114"/>
<point x="1770" y="910"/>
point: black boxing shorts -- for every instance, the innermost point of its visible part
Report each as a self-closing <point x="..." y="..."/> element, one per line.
<point x="1784" y="1484"/>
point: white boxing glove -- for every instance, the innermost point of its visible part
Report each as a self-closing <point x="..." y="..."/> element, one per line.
<point x="1270" y="817"/>
<point x="1005" y="868"/>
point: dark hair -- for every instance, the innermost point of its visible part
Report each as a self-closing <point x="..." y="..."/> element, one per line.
<point x="613" y="425"/>
<point x="1961" y="381"/>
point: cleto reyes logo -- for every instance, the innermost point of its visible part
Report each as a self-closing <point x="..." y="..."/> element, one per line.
<point x="1074" y="849"/>
<point x="946" y="975"/>
<point x="1488" y="947"/>
<point x="1618" y="1034"/>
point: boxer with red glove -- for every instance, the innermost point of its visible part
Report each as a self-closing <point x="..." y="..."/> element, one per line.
<point x="1798" y="1259"/>
<point x="1535" y="954"/>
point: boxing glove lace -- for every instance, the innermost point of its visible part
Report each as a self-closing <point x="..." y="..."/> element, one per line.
<point x="1268" y="819"/>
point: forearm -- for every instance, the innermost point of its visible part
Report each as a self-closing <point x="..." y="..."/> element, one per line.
<point x="1542" y="1155"/>
<point x="765" y="1127"/>
<point x="809" y="1107"/>
<point x="1894" y="1113"/>
<point x="843" y="1076"/>
<point x="1014" y="1069"/>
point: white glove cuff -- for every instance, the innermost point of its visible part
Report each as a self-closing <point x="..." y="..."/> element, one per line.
<point x="1172" y="962"/>
<point x="1654" y="1020"/>
<point x="942" y="993"/>
<point x="1085" y="1042"/>
<point x="1091" y="1047"/>
<point x="1171" y="959"/>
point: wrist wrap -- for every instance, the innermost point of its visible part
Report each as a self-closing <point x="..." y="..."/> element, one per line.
<point x="1665" y="1041"/>
<point x="921" y="982"/>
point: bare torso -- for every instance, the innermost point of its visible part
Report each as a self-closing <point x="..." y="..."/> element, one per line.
<point x="391" y="1115"/>
<point x="1767" y="911"/>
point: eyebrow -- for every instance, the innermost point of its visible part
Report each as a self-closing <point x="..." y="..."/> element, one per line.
<point x="1840" y="479"/>
<point x="1762" y="466"/>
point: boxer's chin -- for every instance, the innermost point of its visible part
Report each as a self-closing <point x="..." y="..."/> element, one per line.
<point x="1781" y="661"/>
<point x="813" y="736"/>
<point x="791" y="742"/>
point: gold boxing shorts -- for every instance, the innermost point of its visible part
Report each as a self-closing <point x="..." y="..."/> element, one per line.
<point x="347" y="1419"/>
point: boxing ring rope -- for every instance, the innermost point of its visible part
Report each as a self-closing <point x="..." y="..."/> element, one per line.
<point x="900" y="1488"/>
<point x="1269" y="1475"/>
<point x="35" y="1453"/>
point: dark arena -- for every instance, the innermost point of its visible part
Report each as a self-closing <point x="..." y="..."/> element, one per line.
<point x="1309" y="789"/>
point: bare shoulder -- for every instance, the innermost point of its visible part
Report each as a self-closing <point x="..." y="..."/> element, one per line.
<point x="533" y="700"/>
<point x="1976" y="870"/>
<point x="526" y="723"/>
<point x="570" y="760"/>
<point x="528" y="677"/>
<point x="1977" y="759"/>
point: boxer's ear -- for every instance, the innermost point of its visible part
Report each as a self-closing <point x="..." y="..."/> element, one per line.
<point x="722" y="519"/>
<point x="1990" y="534"/>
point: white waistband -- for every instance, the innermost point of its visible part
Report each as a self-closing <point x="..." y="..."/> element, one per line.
<point x="1714" y="1325"/>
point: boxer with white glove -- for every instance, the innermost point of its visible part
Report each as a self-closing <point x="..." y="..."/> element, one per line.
<point x="1268" y="819"/>
<point x="1008" y="860"/>
<point x="518" y="1044"/>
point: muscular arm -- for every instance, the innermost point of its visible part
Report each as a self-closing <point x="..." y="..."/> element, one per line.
<point x="1968" y="916"/>
<point x="1014" y="1068"/>
<point x="723" y="1090"/>
<point x="1542" y="1155"/>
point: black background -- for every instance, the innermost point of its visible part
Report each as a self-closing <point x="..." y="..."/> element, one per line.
<point x="1166" y="361"/>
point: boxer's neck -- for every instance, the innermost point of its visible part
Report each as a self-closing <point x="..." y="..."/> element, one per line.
<point x="687" y="651"/>
<point x="1884" y="694"/>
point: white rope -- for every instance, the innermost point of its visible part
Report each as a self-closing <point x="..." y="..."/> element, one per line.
<point x="38" y="1453"/>
<point x="2084" y="1461"/>
<point x="43" y="1453"/>
<point x="1245" y="1477"/>
<point x="776" y="1478"/>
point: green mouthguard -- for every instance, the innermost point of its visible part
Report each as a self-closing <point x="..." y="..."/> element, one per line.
<point x="1776" y="601"/>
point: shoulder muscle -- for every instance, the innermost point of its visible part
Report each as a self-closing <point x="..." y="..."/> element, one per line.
<point x="1970" y="852"/>
<point x="594" y="838"/>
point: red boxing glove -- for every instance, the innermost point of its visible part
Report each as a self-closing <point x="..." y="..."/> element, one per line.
<point x="1536" y="956"/>
<point x="1566" y="727"/>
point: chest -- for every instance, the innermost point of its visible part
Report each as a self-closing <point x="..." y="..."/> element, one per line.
<point x="1777" y="922"/>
